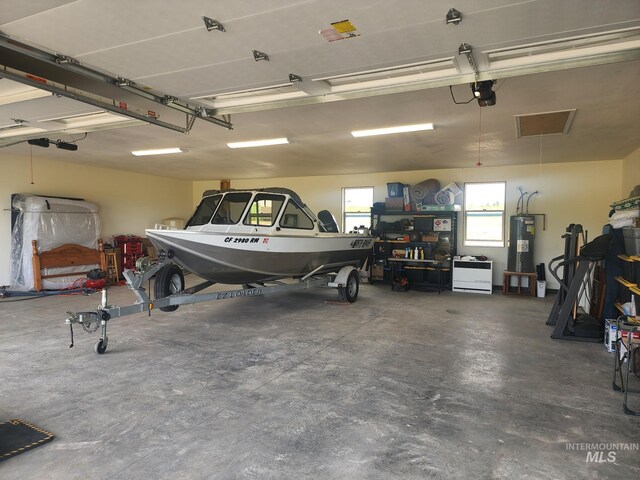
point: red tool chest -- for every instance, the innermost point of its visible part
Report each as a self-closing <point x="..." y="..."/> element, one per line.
<point x="130" y="250"/>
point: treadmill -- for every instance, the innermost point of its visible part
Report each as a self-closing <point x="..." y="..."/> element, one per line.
<point x="582" y="327"/>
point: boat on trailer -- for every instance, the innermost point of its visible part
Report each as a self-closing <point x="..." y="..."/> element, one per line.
<point x="250" y="238"/>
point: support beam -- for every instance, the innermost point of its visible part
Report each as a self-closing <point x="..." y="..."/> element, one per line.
<point x="72" y="65"/>
<point x="121" y="108"/>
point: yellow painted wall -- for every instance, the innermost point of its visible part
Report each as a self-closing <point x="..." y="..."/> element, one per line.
<point x="569" y="193"/>
<point x="630" y="172"/>
<point x="128" y="202"/>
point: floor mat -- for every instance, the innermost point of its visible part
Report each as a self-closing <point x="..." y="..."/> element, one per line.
<point x="18" y="436"/>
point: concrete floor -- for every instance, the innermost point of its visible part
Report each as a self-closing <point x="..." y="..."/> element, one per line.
<point x="408" y="385"/>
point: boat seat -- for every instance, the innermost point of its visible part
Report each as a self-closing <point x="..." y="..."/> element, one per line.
<point x="328" y="221"/>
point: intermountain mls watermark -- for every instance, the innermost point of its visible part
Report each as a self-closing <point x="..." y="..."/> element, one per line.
<point x="602" y="452"/>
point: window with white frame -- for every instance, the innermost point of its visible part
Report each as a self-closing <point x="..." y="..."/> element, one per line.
<point x="484" y="214"/>
<point x="356" y="207"/>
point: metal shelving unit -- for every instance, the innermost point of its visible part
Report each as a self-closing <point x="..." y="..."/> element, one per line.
<point x="425" y="271"/>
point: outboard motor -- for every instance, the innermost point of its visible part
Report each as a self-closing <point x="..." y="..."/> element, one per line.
<point x="328" y="221"/>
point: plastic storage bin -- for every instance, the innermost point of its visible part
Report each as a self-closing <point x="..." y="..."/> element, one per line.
<point x="394" y="189"/>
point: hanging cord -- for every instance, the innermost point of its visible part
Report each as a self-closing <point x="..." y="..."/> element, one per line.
<point x="31" y="161"/>
<point x="80" y="139"/>
<point x="540" y="160"/>
<point x="498" y="87"/>
<point x="457" y="102"/>
<point x="479" y="136"/>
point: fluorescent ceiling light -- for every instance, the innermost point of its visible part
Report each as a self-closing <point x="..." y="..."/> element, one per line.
<point x="157" y="151"/>
<point x="400" y="129"/>
<point x="76" y="115"/>
<point x="7" y="98"/>
<point x="16" y="123"/>
<point x="16" y="132"/>
<point x="259" y="143"/>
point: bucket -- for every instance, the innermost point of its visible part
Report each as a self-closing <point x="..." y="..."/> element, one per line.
<point x="631" y="240"/>
<point x="542" y="288"/>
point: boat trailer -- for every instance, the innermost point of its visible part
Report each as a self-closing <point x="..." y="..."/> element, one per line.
<point x="170" y="283"/>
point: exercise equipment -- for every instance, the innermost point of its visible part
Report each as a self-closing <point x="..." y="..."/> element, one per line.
<point x="569" y="324"/>
<point x="573" y="239"/>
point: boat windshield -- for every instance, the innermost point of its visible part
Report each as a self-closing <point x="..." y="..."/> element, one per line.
<point x="231" y="208"/>
<point x="204" y="211"/>
<point x="295" y="217"/>
<point x="264" y="210"/>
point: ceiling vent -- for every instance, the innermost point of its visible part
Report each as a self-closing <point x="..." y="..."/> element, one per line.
<point x="548" y="123"/>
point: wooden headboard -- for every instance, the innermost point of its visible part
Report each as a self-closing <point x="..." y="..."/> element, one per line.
<point x="68" y="255"/>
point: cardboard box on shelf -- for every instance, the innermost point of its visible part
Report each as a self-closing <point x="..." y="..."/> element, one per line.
<point x="609" y="334"/>
<point x="377" y="272"/>
<point x="151" y="252"/>
<point x="406" y="197"/>
<point x="442" y="225"/>
<point x="394" y="204"/>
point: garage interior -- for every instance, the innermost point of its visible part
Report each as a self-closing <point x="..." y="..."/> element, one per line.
<point x="402" y="383"/>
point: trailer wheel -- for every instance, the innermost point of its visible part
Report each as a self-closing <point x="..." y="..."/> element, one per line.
<point x="169" y="280"/>
<point x="100" y="347"/>
<point x="349" y="292"/>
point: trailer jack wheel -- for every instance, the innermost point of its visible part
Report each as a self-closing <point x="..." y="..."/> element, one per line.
<point x="100" y="347"/>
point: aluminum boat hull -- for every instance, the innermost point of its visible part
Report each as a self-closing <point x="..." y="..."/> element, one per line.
<point x="249" y="258"/>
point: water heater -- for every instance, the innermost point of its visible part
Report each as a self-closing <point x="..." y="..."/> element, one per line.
<point x="522" y="231"/>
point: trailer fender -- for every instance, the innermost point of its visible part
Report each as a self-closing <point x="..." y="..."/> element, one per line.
<point x="342" y="276"/>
